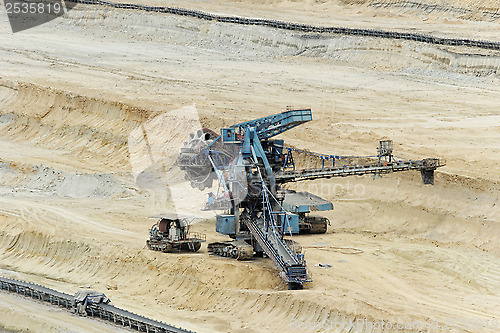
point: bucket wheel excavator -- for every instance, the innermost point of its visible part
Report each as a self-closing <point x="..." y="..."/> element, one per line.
<point x="251" y="167"/>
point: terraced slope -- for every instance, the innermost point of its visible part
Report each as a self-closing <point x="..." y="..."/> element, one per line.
<point x="72" y="215"/>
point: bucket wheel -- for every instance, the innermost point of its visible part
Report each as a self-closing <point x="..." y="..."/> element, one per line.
<point x="194" y="160"/>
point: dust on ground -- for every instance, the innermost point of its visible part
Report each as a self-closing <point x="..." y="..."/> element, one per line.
<point x="71" y="214"/>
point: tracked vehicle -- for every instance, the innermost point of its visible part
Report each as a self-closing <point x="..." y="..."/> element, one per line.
<point x="251" y="168"/>
<point x="171" y="233"/>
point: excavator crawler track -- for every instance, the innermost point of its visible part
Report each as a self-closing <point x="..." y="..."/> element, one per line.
<point x="237" y="249"/>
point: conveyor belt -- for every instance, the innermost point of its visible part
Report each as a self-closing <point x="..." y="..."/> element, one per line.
<point x="351" y="170"/>
<point x="292" y="268"/>
<point x="423" y="38"/>
<point x="104" y="311"/>
<point x="38" y="292"/>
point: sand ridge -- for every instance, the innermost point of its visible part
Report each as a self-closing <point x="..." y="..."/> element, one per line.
<point x="72" y="214"/>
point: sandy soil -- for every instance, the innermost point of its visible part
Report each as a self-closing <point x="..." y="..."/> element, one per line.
<point x="71" y="214"/>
